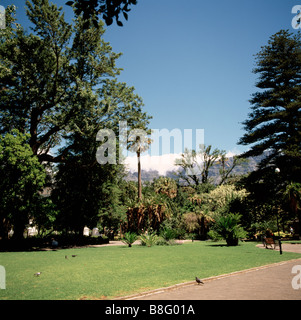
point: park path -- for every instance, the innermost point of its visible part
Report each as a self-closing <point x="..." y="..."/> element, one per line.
<point x="271" y="282"/>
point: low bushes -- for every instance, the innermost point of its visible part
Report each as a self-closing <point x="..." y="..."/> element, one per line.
<point x="148" y="239"/>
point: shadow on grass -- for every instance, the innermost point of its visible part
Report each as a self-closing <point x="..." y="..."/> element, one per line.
<point x="46" y="243"/>
<point x="218" y="245"/>
<point x="222" y="245"/>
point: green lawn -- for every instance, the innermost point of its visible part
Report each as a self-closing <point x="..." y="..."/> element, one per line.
<point x="107" y="272"/>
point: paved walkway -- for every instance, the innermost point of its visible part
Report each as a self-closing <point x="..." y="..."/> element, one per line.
<point x="273" y="282"/>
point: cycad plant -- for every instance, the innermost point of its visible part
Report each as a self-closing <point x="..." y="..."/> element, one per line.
<point x="148" y="239"/>
<point x="129" y="238"/>
<point x="227" y="227"/>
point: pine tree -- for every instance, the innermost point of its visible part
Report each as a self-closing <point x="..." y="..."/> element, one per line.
<point x="274" y="124"/>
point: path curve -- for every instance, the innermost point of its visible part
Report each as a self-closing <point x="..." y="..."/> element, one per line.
<point x="271" y="282"/>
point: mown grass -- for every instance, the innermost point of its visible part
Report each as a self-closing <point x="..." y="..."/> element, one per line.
<point x="108" y="272"/>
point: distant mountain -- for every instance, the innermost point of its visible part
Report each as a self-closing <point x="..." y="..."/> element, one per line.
<point x="239" y="170"/>
<point x="150" y="175"/>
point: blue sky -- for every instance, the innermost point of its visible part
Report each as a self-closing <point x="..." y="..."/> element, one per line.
<point x="191" y="61"/>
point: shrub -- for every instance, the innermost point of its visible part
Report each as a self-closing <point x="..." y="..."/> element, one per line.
<point x="162" y="242"/>
<point x="168" y="234"/>
<point x="129" y="238"/>
<point x="227" y="227"/>
<point x="215" y="236"/>
<point x="149" y="239"/>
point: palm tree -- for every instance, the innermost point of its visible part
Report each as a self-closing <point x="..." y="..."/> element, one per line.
<point x="203" y="217"/>
<point x="139" y="144"/>
<point x="157" y="210"/>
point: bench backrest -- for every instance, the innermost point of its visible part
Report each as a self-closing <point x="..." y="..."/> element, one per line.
<point x="269" y="240"/>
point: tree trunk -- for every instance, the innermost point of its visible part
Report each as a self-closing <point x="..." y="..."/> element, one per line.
<point x="299" y="217"/>
<point x="19" y="227"/>
<point x="231" y="241"/>
<point x="139" y="177"/>
<point x="3" y="228"/>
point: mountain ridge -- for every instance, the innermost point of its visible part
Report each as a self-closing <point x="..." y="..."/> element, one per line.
<point x="242" y="169"/>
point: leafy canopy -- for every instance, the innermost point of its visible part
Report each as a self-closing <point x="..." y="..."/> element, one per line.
<point x="59" y="81"/>
<point x="22" y="179"/>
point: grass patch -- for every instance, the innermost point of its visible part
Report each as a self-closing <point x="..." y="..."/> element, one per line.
<point x="107" y="272"/>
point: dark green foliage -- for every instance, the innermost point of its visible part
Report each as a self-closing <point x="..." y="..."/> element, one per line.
<point x="58" y="83"/>
<point x="39" y="243"/>
<point x="168" y="234"/>
<point x="227" y="227"/>
<point x="274" y="123"/>
<point x="51" y="79"/>
<point x="273" y="128"/>
<point x="22" y="178"/>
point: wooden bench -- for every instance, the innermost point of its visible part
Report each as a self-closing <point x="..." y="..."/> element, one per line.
<point x="270" y="243"/>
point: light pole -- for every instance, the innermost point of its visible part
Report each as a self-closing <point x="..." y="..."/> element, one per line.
<point x="277" y="170"/>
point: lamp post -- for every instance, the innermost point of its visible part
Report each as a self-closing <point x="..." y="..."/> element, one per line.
<point x="277" y="170"/>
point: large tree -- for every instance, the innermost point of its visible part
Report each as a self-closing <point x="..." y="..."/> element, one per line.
<point x="86" y="190"/>
<point x="274" y="124"/>
<point x="52" y="78"/>
<point x="22" y="179"/>
<point x="195" y="166"/>
<point x="58" y="83"/>
<point x="273" y="127"/>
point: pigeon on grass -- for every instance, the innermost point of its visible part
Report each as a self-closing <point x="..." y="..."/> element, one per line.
<point x="37" y="274"/>
<point x="199" y="281"/>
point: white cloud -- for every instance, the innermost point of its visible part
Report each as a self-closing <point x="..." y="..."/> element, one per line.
<point x="233" y="152"/>
<point x="162" y="164"/>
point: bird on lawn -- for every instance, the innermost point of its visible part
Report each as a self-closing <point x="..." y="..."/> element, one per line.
<point x="66" y="257"/>
<point x="199" y="281"/>
<point x="37" y="274"/>
<point x="74" y="255"/>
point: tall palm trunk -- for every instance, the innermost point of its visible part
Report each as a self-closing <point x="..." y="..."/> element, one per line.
<point x="139" y="177"/>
